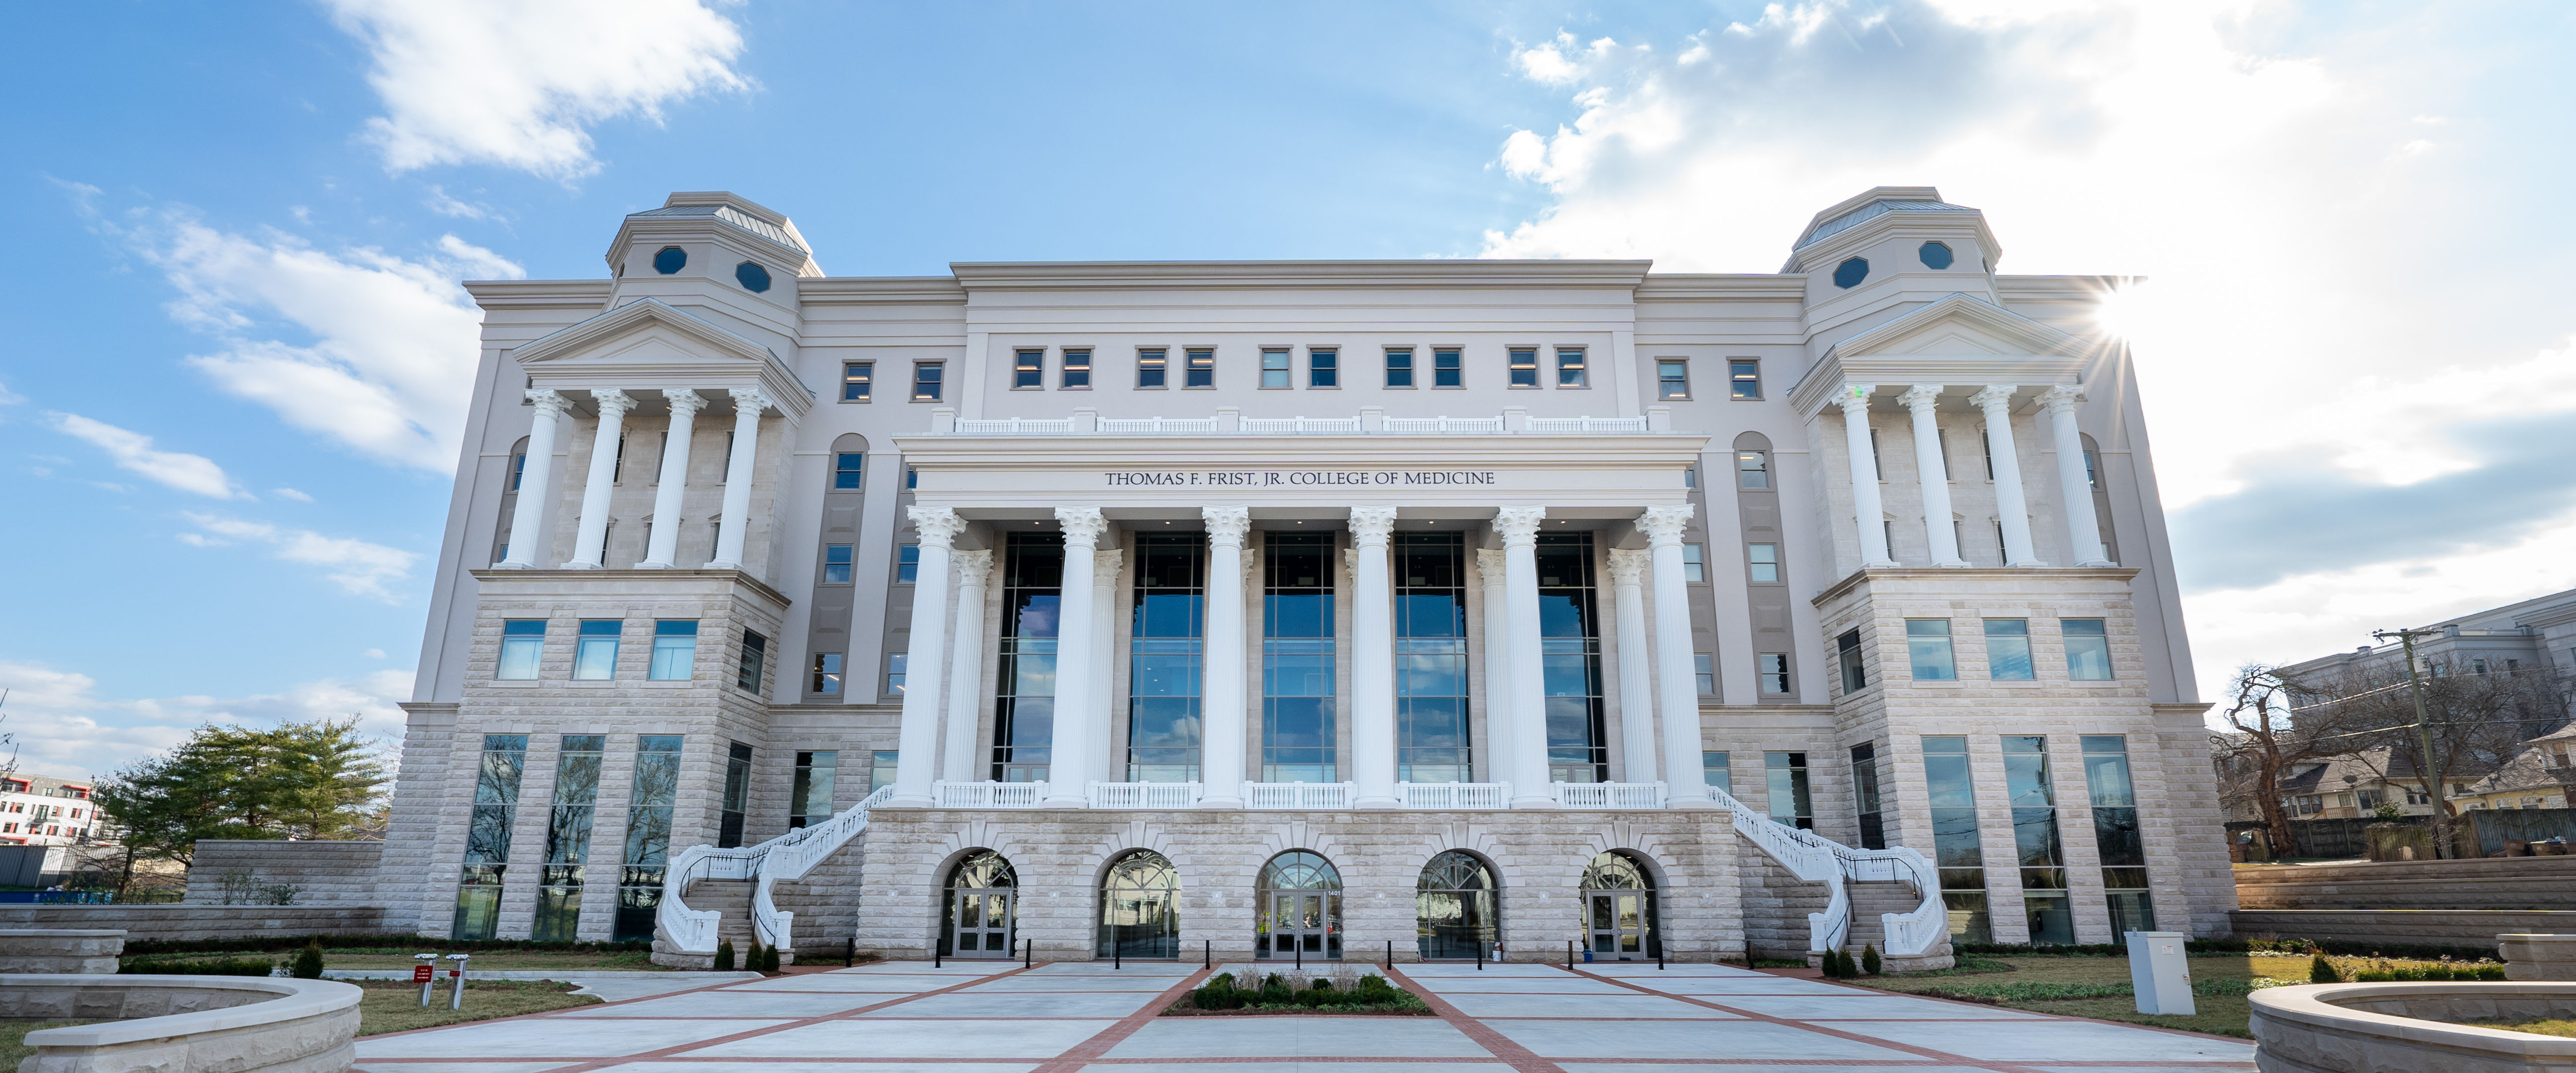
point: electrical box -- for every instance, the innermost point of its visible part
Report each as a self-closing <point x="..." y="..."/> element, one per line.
<point x="2160" y="972"/>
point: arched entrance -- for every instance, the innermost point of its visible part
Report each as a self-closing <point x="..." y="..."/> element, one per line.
<point x="1300" y="909"/>
<point x="1139" y="908"/>
<point x="1619" y="908"/>
<point x="1457" y="912"/>
<point x="982" y="903"/>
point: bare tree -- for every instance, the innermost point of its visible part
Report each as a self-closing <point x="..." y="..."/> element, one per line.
<point x="2267" y="737"/>
<point x="2472" y="723"/>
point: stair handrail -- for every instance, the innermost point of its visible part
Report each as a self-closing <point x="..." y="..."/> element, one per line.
<point x="1919" y="930"/>
<point x="693" y="931"/>
<point x="1806" y="855"/>
<point x="794" y="854"/>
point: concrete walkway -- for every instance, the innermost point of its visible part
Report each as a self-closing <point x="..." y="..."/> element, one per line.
<point x="969" y="1017"/>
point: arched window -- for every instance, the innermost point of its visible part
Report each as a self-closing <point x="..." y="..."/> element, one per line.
<point x="1619" y="908"/>
<point x="1300" y="911"/>
<point x="1140" y="908"/>
<point x="1456" y="914"/>
<point x="982" y="892"/>
<point x="509" y="499"/>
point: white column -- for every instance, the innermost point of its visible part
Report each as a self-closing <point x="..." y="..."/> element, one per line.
<point x="1373" y="660"/>
<point x="2012" y="509"/>
<point x="1490" y="569"/>
<point x="966" y="668"/>
<point x="528" y="521"/>
<point x="1636" y="681"/>
<point x="590" y="541"/>
<point x="925" y="666"/>
<point x="747" y="405"/>
<point x="1223" y="721"/>
<point x="2075" y="492"/>
<point x="1685" y="784"/>
<point x="1933" y="470"/>
<point x="1867" y="515"/>
<point x="1109" y="761"/>
<point x="1518" y="527"/>
<point x="1077" y="733"/>
<point x="665" y="545"/>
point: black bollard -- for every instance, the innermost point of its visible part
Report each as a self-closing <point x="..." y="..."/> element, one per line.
<point x="1029" y="954"/>
<point x="850" y="956"/>
<point x="936" y="952"/>
<point x="1390" y="955"/>
<point x="1117" y="954"/>
<point x="1659" y="957"/>
<point x="1569" y="955"/>
<point x="1207" y="950"/>
<point x="1301" y="953"/>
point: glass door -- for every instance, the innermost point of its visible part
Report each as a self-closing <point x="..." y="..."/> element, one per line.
<point x="1303" y="924"/>
<point x="1619" y="924"/>
<point x="981" y="921"/>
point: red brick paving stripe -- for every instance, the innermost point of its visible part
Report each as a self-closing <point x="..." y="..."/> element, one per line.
<point x="1927" y="1052"/>
<point x="1088" y="1050"/>
<point x="1520" y="1058"/>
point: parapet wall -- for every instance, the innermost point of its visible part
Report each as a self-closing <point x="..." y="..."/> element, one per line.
<point x="323" y="873"/>
<point x="2518" y="883"/>
<point x="189" y="923"/>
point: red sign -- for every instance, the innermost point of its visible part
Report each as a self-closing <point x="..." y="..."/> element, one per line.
<point x="420" y="974"/>
<point x="453" y="973"/>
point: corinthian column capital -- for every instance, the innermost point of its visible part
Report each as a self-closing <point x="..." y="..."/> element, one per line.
<point x="549" y="401"/>
<point x="1995" y="397"/>
<point x="1227" y="525"/>
<point x="612" y="403"/>
<point x="684" y="400"/>
<point x="935" y="525"/>
<point x="749" y="401"/>
<point x="2061" y="399"/>
<point x="1371" y="525"/>
<point x="1519" y="525"/>
<point x="1489" y="565"/>
<point x="1854" y="399"/>
<point x="1665" y="525"/>
<point x="1920" y="397"/>
<point x="1082" y="525"/>
<point x="1628" y="566"/>
<point x="974" y="565"/>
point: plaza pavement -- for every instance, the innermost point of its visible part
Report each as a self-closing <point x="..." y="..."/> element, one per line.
<point x="988" y="1017"/>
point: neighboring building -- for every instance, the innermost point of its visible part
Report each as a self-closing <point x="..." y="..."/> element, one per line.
<point x="40" y="810"/>
<point x="2539" y="632"/>
<point x="1268" y="607"/>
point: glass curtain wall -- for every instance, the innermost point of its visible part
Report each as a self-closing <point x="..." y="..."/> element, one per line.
<point x="2043" y="858"/>
<point x="2115" y="832"/>
<point x="1140" y="908"/>
<point x="1431" y="659"/>
<point x="568" y="837"/>
<point x="1456" y="914"/>
<point x="648" y="835"/>
<point x="1570" y="656"/>
<point x="1297" y="719"/>
<point x="810" y="798"/>
<point x="487" y="835"/>
<point x="1956" y="849"/>
<point x="1024" y="712"/>
<point x="1164" y="684"/>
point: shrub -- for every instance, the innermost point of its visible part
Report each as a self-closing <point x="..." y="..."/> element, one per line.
<point x="213" y="967"/>
<point x="1322" y="984"/>
<point x="308" y="961"/>
<point x="724" y="955"/>
<point x="2322" y="971"/>
<point x="1869" y="962"/>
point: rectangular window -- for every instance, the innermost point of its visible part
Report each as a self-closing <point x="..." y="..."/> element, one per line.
<point x="1151" y="367"/>
<point x="1864" y="770"/>
<point x="895" y="668"/>
<point x="1715" y="768"/>
<point x="1569" y="367"/>
<point x="487" y="836"/>
<point x="1743" y="378"/>
<point x="675" y="650"/>
<point x="911" y="478"/>
<point x="925" y="381"/>
<point x="1694" y="563"/>
<point x="809" y="798"/>
<point x="1672" y="379"/>
<point x="1200" y="367"/>
<point x="1323" y="367"/>
<point x="857" y="379"/>
<point x="1298" y="738"/>
<point x="753" y="660"/>
<point x="1077" y="369"/>
<point x="836" y="564"/>
<point x="519" y="464"/>
<point x="1431" y="658"/>
<point x="1753" y="470"/>
<point x="523" y="646"/>
<point x="737" y="795"/>
<point x="1986" y="439"/>
<point x="849" y="471"/>
<point x="1028" y="369"/>
<point x="1570" y="659"/>
<point x="1024" y="709"/>
<point x="2088" y="649"/>
<point x="2092" y="475"/>
<point x="882" y="766"/>
<point x="1165" y="658"/>
<point x="568" y="825"/>
<point x="2008" y="650"/>
<point x="826" y="675"/>
<point x="1855" y="675"/>
<point x="1448" y="367"/>
<point x="1786" y="798"/>
<point x="1690" y="477"/>
<point x="1274" y="368"/>
<point x="907" y="564"/>
<point x="1957" y="851"/>
<point x="1524" y="367"/>
<point x="594" y="659"/>
<point x="1763" y="560"/>
<point x="1704" y="669"/>
<point x="1941" y="449"/>
<point x="1772" y="669"/>
<point x="2035" y="841"/>
<point x="2122" y="847"/>
<point x="1927" y="646"/>
<point x="1399" y="366"/>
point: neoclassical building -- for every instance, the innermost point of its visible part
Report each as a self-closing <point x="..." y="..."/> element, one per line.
<point x="1306" y="609"/>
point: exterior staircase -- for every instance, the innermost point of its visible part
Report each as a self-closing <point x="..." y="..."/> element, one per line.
<point x="730" y="899"/>
<point x="1912" y="926"/>
<point x="685" y="935"/>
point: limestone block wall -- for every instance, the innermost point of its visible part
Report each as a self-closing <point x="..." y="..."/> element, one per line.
<point x="1776" y="904"/>
<point x="2487" y="883"/>
<point x="324" y="873"/>
<point x="182" y="923"/>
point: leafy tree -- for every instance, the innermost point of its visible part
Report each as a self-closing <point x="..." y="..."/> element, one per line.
<point x="305" y="780"/>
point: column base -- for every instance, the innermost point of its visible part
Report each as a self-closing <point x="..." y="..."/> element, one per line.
<point x="579" y="564"/>
<point x="649" y="564"/>
<point x="726" y="564"/>
<point x="1213" y="801"/>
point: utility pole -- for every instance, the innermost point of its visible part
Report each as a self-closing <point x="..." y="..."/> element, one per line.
<point x="2423" y="734"/>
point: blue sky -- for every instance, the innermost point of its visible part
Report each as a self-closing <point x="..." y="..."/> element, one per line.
<point x="225" y="425"/>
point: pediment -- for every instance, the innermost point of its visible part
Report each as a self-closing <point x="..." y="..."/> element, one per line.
<point x="642" y="333"/>
<point x="1964" y="326"/>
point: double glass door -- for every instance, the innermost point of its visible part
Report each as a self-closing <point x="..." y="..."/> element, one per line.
<point x="981" y="922"/>
<point x="1621" y="922"/>
<point x="1303" y="924"/>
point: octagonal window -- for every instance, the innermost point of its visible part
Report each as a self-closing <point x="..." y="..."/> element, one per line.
<point x="1849" y="273"/>
<point x="670" y="260"/>
<point x="754" y="278"/>
<point x="1935" y="255"/>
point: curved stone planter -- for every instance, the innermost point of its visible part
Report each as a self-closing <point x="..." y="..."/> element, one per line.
<point x="184" y="1024"/>
<point x="2330" y="1028"/>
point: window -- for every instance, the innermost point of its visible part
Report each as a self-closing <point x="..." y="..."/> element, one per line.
<point x="836" y="564"/>
<point x="2115" y="832"/>
<point x="675" y="649"/>
<point x="1024" y="699"/>
<point x="1744" y="379"/>
<point x="1298" y="735"/>
<point x="1865" y="800"/>
<point x="1848" y="274"/>
<point x="1274" y="368"/>
<point x="1694" y="563"/>
<point x="2008" y="650"/>
<point x="1570" y="659"/>
<point x="669" y="260"/>
<point x="1763" y="560"/>
<point x="1956" y="848"/>
<point x="1753" y="470"/>
<point x="519" y="463"/>
<point x="1719" y="773"/>
<point x="1986" y="444"/>
<point x="2092" y="476"/>
<point x="737" y="796"/>
<point x="594" y="659"/>
<point x="1927" y="644"/>
<point x="523" y="643"/>
<point x="568" y="827"/>
<point x="907" y="564"/>
<point x="2088" y="649"/>
<point x="925" y="381"/>
<point x="1200" y="368"/>
<point x="1399" y="366"/>
<point x="1448" y="367"/>
<point x="849" y="471"/>
<point x="1937" y="256"/>
<point x="752" y="277"/>
<point x="1524" y="367"/>
<point x="2477" y="666"/>
<point x="2035" y="840"/>
<point x="809" y="798"/>
<point x="1028" y="369"/>
<point x="1772" y="668"/>
<point x="1431" y="738"/>
<point x="1151" y="367"/>
<point x="1855" y="676"/>
<point x="1704" y="668"/>
<point x="827" y="674"/>
<point x="857" y="377"/>
<point x="911" y="478"/>
<point x="1569" y="367"/>
<point x="881" y="768"/>
<point x="1323" y="367"/>
<point x="1672" y="379"/>
<point x="894" y="673"/>
<point x="487" y="836"/>
<point x="747" y="667"/>
<point x="1690" y="477"/>
<point x="1786" y="798"/>
<point x="1165" y="658"/>
<point x="1077" y="369"/>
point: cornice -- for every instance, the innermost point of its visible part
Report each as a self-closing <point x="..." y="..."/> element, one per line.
<point x="1739" y="287"/>
<point x="885" y="290"/>
<point x="779" y="384"/>
<point x="589" y="294"/>
<point x="1857" y="578"/>
<point x="1086" y="275"/>
<point x="1096" y="450"/>
<point x="640" y="582"/>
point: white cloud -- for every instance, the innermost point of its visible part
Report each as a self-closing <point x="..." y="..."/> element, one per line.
<point x="445" y="204"/>
<point x="290" y="493"/>
<point x="9" y="398"/>
<point x="64" y="728"/>
<point x="517" y="84"/>
<point x="133" y="451"/>
<point x="358" y="567"/>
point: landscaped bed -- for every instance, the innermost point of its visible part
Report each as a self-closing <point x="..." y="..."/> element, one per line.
<point x="250" y="962"/>
<point x="1346" y="993"/>
<point x="394" y="1006"/>
<point x="2098" y="986"/>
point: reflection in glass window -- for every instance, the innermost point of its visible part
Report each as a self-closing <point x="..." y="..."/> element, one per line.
<point x="1865" y="800"/>
<point x="1399" y="366"/>
<point x="857" y="379"/>
<point x="675" y="650"/>
<point x="487" y="836"/>
<point x="2008" y="649"/>
<point x="1694" y="563"/>
<point x="1524" y="367"/>
<point x="848" y="471"/>
<point x="594" y="659"/>
<point x="1169" y="635"/>
<point x="926" y="381"/>
<point x="1077" y="369"/>
<point x="2088" y="649"/>
<point x="1569" y="367"/>
<point x="1448" y="367"/>
<point x="1714" y="767"/>
<point x="1024" y="706"/>
<point x="753" y="658"/>
<point x="1200" y="369"/>
<point x="656" y="787"/>
<point x="1744" y="378"/>
<point x="1672" y="379"/>
<point x="568" y="824"/>
<point x="1753" y="470"/>
<point x="523" y="646"/>
<point x="1455" y="911"/>
<point x="2035" y="841"/>
<point x="1786" y="798"/>
<point x="907" y="564"/>
<point x="1151" y="367"/>
<point x="1570" y="659"/>
<point x="1274" y="368"/>
<point x="809" y="798"/>
<point x="1028" y="368"/>
<point x="1957" y="850"/>
<point x="1323" y="367"/>
<point x="1297" y="706"/>
<point x="1140" y="908"/>
<point x="1431" y="658"/>
<point x="1927" y="645"/>
<point x="1772" y="668"/>
<point x="1762" y="562"/>
<point x="836" y="564"/>
<point x="2115" y="832"/>
<point x="827" y="674"/>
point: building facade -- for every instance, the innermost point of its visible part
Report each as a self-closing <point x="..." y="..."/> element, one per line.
<point x="40" y="810"/>
<point x="1302" y="609"/>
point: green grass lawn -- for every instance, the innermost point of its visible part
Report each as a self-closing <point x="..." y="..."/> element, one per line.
<point x="2099" y="987"/>
<point x="13" y="1039"/>
<point x="394" y="1006"/>
<point x="398" y="958"/>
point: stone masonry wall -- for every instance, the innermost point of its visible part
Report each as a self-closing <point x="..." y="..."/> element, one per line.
<point x="324" y="873"/>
